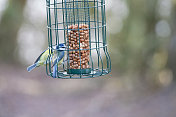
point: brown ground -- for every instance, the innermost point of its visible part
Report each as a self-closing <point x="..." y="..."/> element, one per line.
<point x="24" y="94"/>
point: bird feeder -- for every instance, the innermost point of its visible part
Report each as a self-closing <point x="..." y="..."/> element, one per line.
<point x="81" y="26"/>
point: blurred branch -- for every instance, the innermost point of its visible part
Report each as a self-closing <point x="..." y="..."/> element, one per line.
<point x="10" y="24"/>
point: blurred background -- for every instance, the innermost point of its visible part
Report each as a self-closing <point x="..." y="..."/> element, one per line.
<point x="142" y="46"/>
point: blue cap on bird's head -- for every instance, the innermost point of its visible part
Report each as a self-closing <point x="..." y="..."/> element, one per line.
<point x="61" y="46"/>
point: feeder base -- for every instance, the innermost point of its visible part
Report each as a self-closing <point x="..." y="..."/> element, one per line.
<point x="79" y="71"/>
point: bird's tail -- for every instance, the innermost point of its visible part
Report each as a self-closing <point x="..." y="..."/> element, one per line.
<point x="30" y="68"/>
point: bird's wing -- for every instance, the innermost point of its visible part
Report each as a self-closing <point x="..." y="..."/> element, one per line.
<point x="40" y="56"/>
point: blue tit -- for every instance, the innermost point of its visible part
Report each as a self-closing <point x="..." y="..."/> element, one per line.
<point x="42" y="59"/>
<point x="59" y="60"/>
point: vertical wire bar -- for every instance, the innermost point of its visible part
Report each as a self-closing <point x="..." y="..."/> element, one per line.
<point x="50" y="34"/>
<point x="69" y="8"/>
<point x="56" y="22"/>
<point x="85" y="17"/>
<point x="103" y="31"/>
<point x="99" y="54"/>
<point x="69" y="17"/>
<point x="84" y="21"/>
<point x="47" y="8"/>
<point x="96" y="30"/>
<point x="97" y="44"/>
<point x="77" y="8"/>
<point x="56" y="30"/>
<point x="63" y="22"/>
<point x="68" y="49"/>
<point x="107" y="54"/>
<point x="69" y="14"/>
<point x="74" y="11"/>
<point x="109" y="60"/>
<point x="90" y="46"/>
<point x="82" y="10"/>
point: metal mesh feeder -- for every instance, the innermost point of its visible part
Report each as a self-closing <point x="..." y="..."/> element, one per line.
<point x="81" y="26"/>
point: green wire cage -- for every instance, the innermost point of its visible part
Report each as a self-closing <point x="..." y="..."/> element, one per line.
<point x="81" y="26"/>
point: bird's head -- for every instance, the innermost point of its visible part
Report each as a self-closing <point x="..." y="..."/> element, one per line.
<point x="61" y="46"/>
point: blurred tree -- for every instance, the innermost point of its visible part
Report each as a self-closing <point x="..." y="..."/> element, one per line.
<point x="10" y="24"/>
<point x="137" y="42"/>
<point x="172" y="45"/>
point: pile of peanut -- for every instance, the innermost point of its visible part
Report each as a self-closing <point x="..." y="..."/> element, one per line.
<point x="76" y="55"/>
